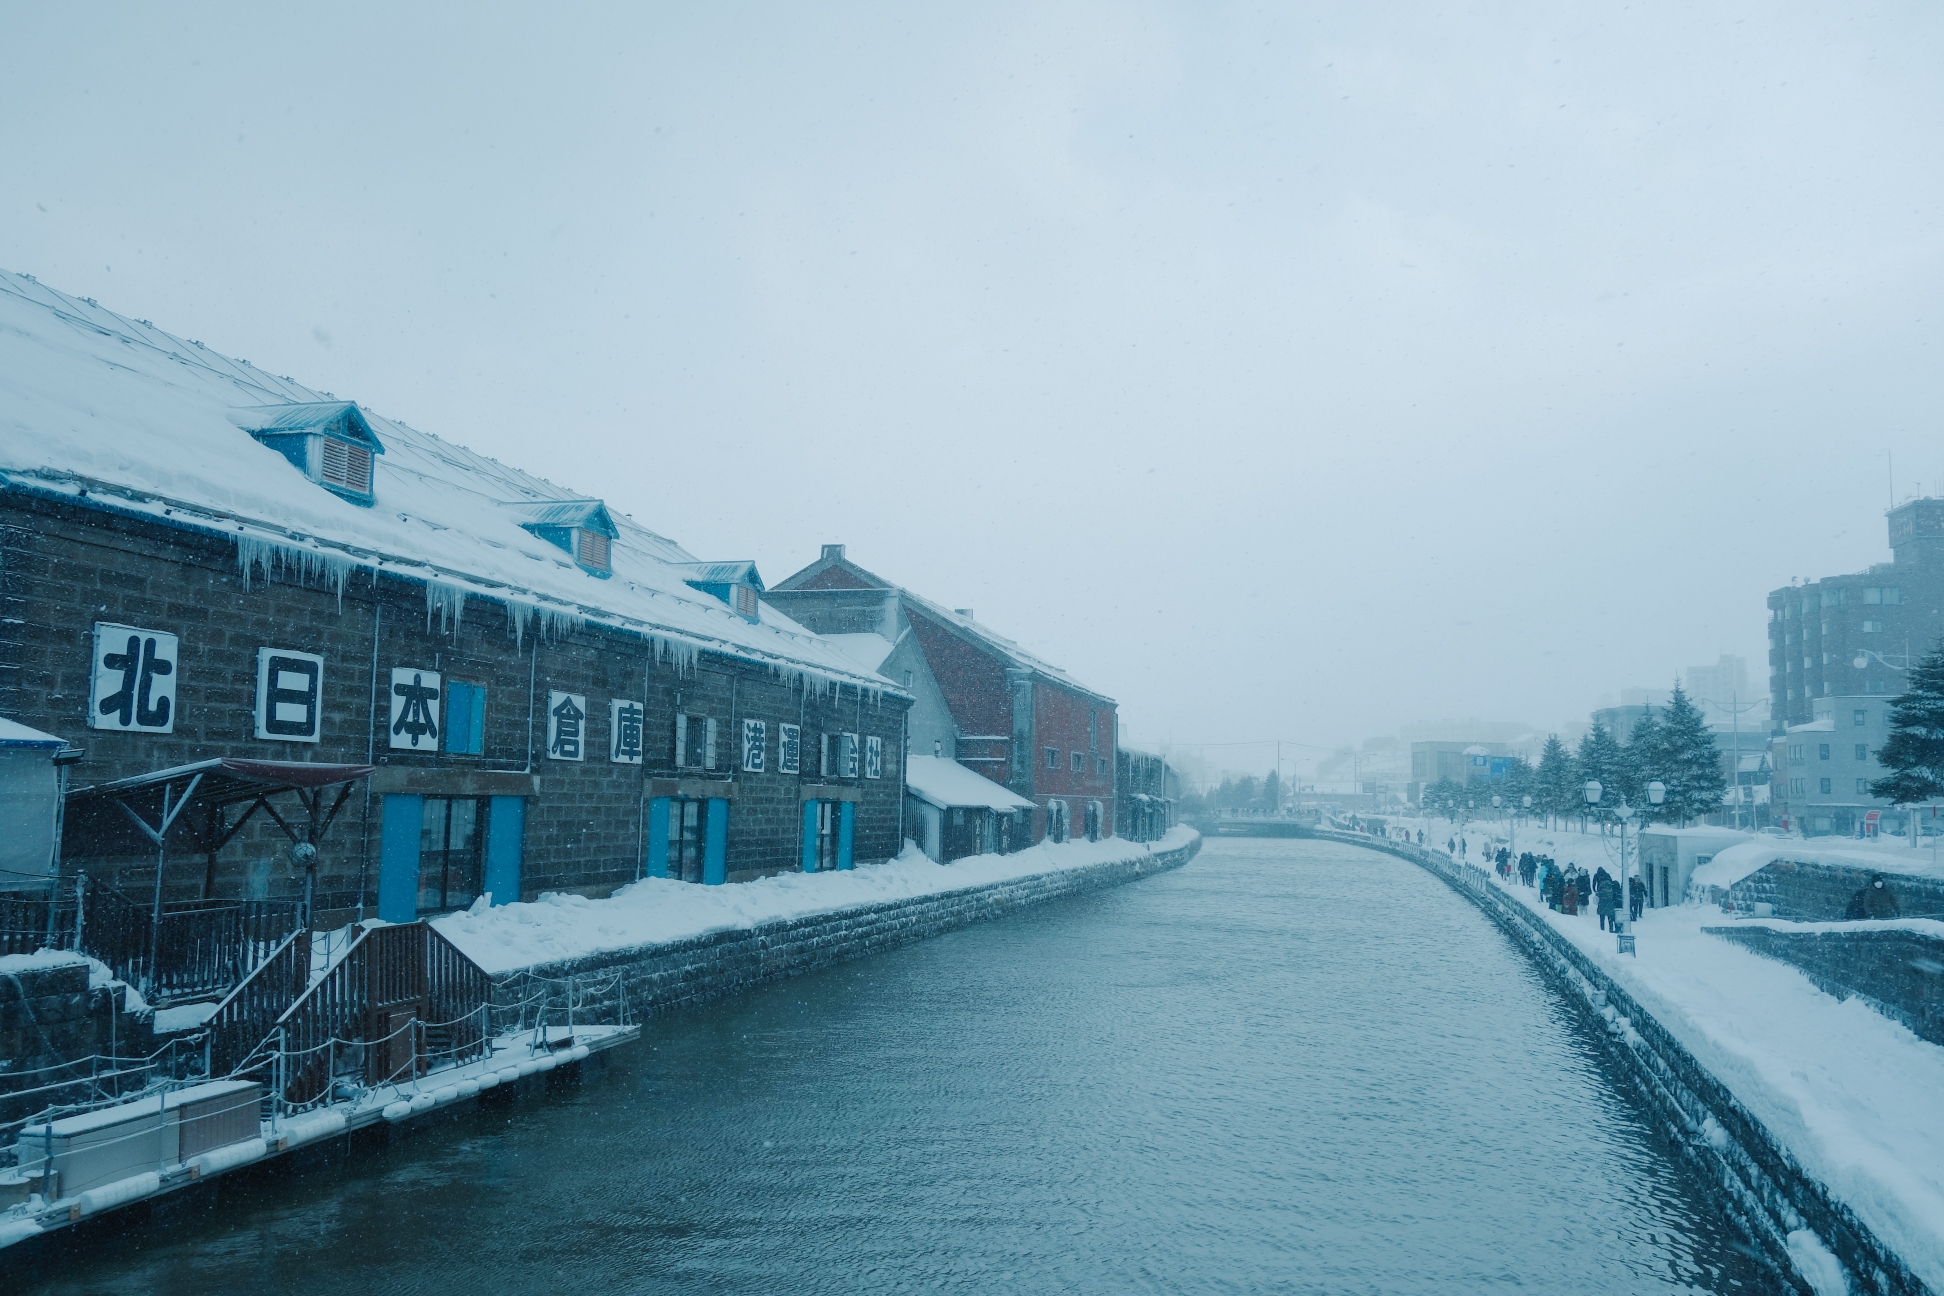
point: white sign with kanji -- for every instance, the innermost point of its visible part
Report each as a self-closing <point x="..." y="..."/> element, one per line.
<point x="133" y="679"/>
<point x="755" y="745"/>
<point x="566" y="726"/>
<point x="415" y="709"/>
<point x="625" y="716"/>
<point x="789" y="748"/>
<point x="874" y="757"/>
<point x="289" y="695"/>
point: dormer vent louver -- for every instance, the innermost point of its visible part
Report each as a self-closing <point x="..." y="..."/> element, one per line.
<point x="330" y="442"/>
<point x="581" y="526"/>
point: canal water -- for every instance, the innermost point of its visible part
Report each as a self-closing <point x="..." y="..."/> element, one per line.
<point x="1288" y="1067"/>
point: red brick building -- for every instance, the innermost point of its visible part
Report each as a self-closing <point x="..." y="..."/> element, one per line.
<point x="980" y="697"/>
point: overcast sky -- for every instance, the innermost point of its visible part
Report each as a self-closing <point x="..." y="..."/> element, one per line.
<point x="1302" y="371"/>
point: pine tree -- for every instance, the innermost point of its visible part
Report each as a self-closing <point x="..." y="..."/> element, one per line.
<point x="1556" y="791"/>
<point x="1272" y="792"/>
<point x="1599" y="758"/>
<point x="1643" y="760"/>
<point x="1692" y="763"/>
<point x="1914" y="752"/>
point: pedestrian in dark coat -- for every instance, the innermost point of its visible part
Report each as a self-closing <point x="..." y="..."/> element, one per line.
<point x="1607" y="895"/>
<point x="1874" y="900"/>
<point x="1601" y="876"/>
<point x="1636" y="898"/>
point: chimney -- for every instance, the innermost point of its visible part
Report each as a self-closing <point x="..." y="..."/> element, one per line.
<point x="964" y="612"/>
<point x="833" y="553"/>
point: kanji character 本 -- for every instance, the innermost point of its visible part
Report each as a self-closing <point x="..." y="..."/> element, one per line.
<point x="139" y="666"/>
<point x="627" y="732"/>
<point x="567" y="716"/>
<point x="416" y="720"/>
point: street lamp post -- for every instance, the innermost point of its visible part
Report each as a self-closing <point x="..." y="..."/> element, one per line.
<point x="1656" y="793"/>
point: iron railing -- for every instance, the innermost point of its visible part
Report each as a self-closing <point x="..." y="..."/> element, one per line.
<point x="249" y="1013"/>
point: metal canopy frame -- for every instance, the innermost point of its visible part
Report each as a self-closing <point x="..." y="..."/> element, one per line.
<point x="215" y="785"/>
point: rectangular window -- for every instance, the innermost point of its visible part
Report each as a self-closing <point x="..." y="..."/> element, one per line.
<point x="465" y="718"/>
<point x="1892" y="594"/>
<point x="1825" y="787"/>
<point x="1873" y="627"/>
<point x="687" y="824"/>
<point x="1862" y="751"/>
<point x="1093" y="731"/>
<point x="346" y="465"/>
<point x="695" y="741"/>
<point x="1859" y="717"/>
<point x="1102" y="771"/>
<point x="1873" y="686"/>
<point x="452" y="840"/>
<point x="1822" y="751"/>
<point x="1053" y="758"/>
<point x="789" y="748"/>
<point x="1862" y="787"/>
<point x="592" y="549"/>
<point x="1079" y="762"/>
<point x="830" y="817"/>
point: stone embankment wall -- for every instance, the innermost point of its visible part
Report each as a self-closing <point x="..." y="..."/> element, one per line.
<point x="1898" y="973"/>
<point x="660" y="978"/>
<point x="51" y="1023"/>
<point x="1808" y="892"/>
<point x="1763" y="1188"/>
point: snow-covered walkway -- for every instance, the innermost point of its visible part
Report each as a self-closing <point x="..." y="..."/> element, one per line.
<point x="1857" y="1098"/>
<point x="656" y="910"/>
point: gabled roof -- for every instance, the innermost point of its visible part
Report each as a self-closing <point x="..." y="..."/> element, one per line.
<point x="339" y="418"/>
<point x="835" y="574"/>
<point x="584" y="514"/>
<point x="120" y="416"/>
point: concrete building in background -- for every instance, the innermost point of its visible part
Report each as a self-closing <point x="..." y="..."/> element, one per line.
<point x="1007" y="715"/>
<point x="1856" y="635"/>
<point x="1829" y="761"/>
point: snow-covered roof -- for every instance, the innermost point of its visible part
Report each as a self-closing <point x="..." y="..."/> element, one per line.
<point x="15" y="734"/>
<point x="739" y="572"/>
<point x="1823" y="725"/>
<point x="341" y="418"/>
<point x="116" y="413"/>
<point x="584" y="514"/>
<point x="867" y="650"/>
<point x="947" y="784"/>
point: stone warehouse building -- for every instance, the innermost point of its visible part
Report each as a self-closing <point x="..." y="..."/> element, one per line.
<point x="203" y="560"/>
<point x="980" y="698"/>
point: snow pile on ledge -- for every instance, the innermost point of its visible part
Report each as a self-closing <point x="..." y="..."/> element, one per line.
<point x="1738" y="862"/>
<point x="655" y="911"/>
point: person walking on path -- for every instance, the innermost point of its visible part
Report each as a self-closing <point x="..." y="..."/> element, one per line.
<point x="1636" y="898"/>
<point x="1607" y="893"/>
<point x="1873" y="900"/>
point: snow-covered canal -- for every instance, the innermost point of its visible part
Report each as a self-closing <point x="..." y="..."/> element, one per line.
<point x="1289" y="1066"/>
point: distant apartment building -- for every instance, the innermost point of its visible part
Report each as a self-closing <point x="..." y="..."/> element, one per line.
<point x="1855" y="636"/>
<point x="1461" y="762"/>
<point x="1828" y="764"/>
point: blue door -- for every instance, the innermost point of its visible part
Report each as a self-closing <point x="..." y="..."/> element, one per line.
<point x="810" y="836"/>
<point x="715" y="858"/>
<point x="846" y="830"/>
<point x="505" y="834"/>
<point x="657" y="838"/>
<point x="398" y="858"/>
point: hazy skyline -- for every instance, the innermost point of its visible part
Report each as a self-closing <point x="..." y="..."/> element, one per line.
<point x="1300" y="374"/>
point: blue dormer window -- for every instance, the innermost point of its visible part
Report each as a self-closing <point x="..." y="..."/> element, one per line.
<point x="581" y="527"/>
<point x="736" y="583"/>
<point x="330" y="442"/>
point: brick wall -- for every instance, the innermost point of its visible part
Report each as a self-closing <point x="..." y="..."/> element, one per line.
<point x="1809" y="892"/>
<point x="65" y="567"/>
<point x="51" y="1021"/>
<point x="1899" y="973"/>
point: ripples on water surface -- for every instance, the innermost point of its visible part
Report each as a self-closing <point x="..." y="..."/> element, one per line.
<point x="1290" y="1066"/>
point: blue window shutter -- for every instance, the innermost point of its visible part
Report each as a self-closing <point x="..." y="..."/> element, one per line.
<point x="398" y="858"/>
<point x="505" y="837"/>
<point x="715" y="843"/>
<point x="458" y="716"/>
<point x="477" y="733"/>
<point x="846" y="829"/>
<point x="810" y="836"/>
<point x="657" y="838"/>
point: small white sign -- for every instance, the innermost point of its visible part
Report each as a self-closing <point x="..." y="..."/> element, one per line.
<point x="290" y="695"/>
<point x="755" y="745"/>
<point x="566" y="726"/>
<point x="874" y="757"/>
<point x="625" y="717"/>
<point x="415" y="709"/>
<point x="133" y="679"/>
<point x="789" y="748"/>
